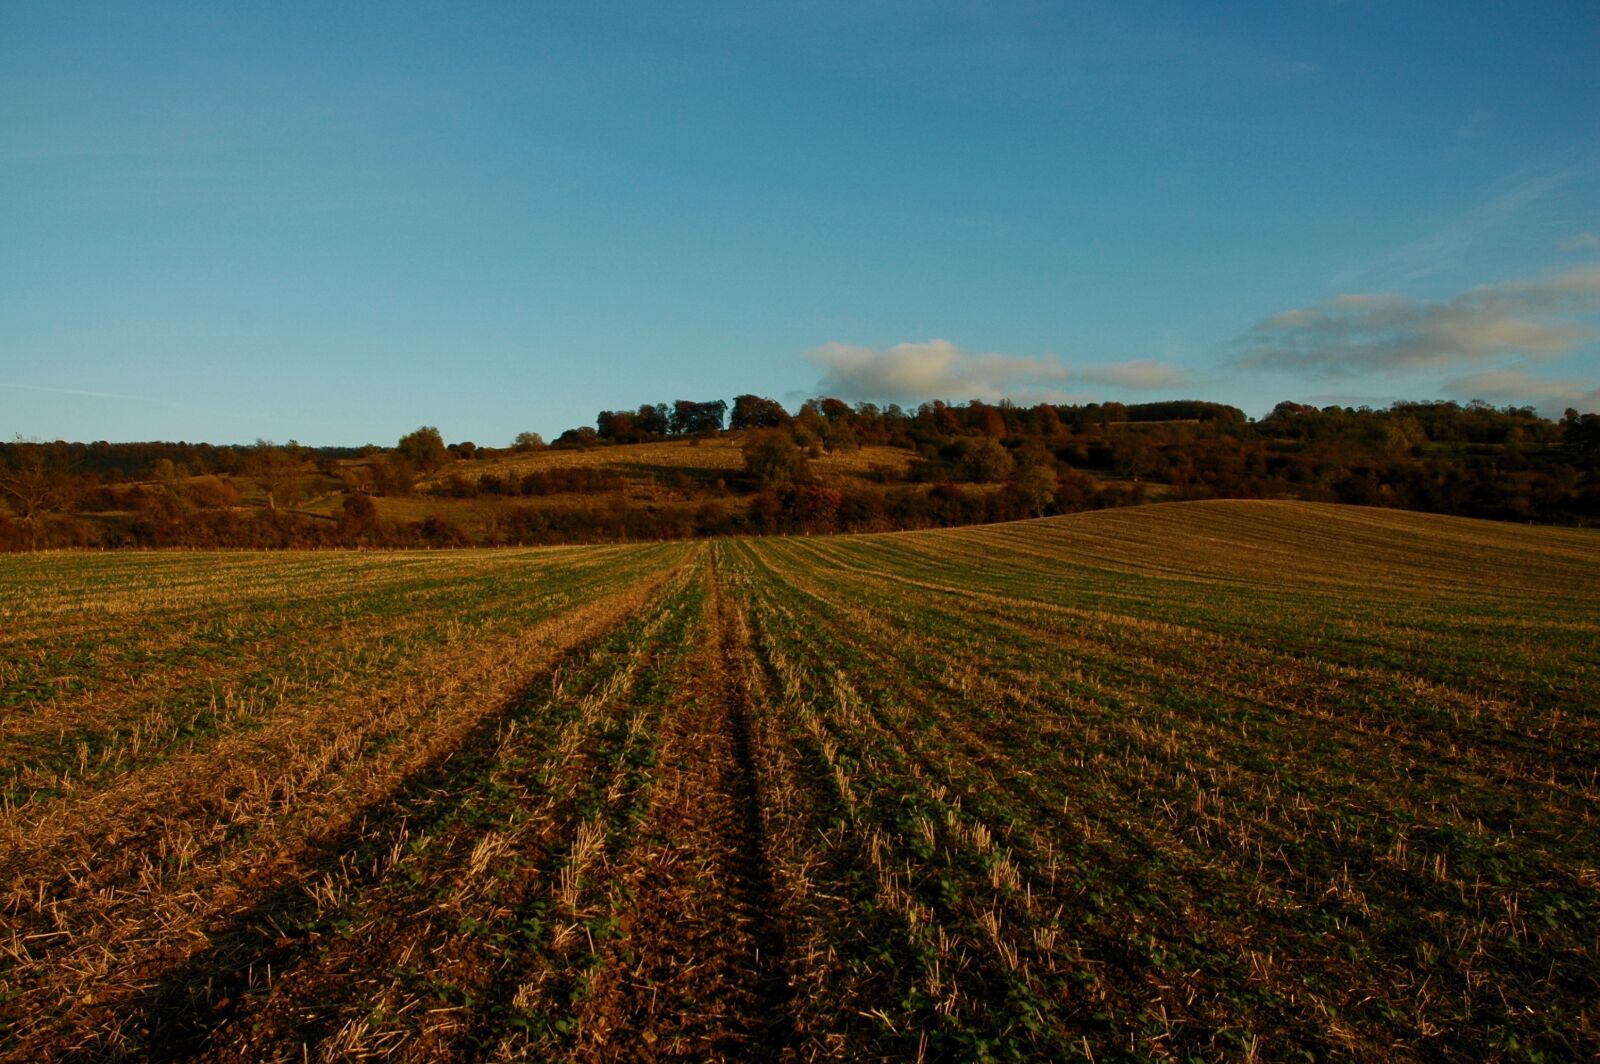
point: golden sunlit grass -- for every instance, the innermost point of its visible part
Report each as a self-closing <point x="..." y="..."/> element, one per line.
<point x="723" y="454"/>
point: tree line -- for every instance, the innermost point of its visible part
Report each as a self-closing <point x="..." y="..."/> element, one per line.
<point x="959" y="463"/>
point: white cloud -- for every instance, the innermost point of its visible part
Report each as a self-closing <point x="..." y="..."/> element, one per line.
<point x="1517" y="385"/>
<point x="1582" y="242"/>
<point x="1138" y="374"/>
<point x="1388" y="332"/>
<point x="937" y="369"/>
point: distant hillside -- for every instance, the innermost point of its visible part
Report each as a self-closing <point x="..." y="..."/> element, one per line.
<point x="673" y="473"/>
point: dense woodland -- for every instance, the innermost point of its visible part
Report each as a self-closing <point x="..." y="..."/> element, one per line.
<point x="964" y="463"/>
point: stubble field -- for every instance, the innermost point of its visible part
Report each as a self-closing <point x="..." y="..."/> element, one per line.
<point x="1185" y="781"/>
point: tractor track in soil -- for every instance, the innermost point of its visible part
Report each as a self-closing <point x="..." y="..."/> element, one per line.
<point x="699" y="970"/>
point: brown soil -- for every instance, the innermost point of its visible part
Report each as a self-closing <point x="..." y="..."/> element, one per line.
<point x="698" y="971"/>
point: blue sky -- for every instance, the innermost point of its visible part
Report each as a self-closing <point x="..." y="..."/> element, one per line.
<point x="335" y="222"/>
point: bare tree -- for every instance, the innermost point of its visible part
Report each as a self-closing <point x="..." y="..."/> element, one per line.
<point x="280" y="472"/>
<point x="37" y="480"/>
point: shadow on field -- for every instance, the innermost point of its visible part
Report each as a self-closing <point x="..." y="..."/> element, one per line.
<point x="748" y="867"/>
<point x="183" y="1011"/>
<point x="698" y="476"/>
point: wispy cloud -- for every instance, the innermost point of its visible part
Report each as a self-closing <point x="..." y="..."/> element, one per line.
<point x="79" y="391"/>
<point x="1447" y="246"/>
<point x="1387" y="332"/>
<point x="1140" y="374"/>
<point x="936" y="369"/>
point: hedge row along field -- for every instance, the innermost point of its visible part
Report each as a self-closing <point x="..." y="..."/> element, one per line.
<point x="1188" y="781"/>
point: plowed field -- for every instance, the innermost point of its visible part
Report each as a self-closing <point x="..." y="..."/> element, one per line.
<point x="1210" y="780"/>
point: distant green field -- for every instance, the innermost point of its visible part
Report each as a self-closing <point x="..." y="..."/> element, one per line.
<point x="1187" y="781"/>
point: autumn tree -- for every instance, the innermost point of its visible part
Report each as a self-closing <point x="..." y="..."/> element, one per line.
<point x="616" y="425"/>
<point x="393" y="475"/>
<point x="358" y="516"/>
<point x="581" y="438"/>
<point x="1580" y="435"/>
<point x="1135" y="455"/>
<point x="212" y="493"/>
<point x="1044" y="422"/>
<point x="834" y="410"/>
<point x="652" y="421"/>
<point x="986" y="419"/>
<point x="280" y="472"/>
<point x="812" y="508"/>
<point x="424" y="448"/>
<point x="771" y="457"/>
<point x="755" y="412"/>
<point x="694" y="419"/>
<point x="986" y="462"/>
<point x="1037" y="485"/>
<point x="840" y="437"/>
<point x="165" y="473"/>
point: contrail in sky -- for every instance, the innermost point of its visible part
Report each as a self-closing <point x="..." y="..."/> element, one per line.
<point x="78" y="391"/>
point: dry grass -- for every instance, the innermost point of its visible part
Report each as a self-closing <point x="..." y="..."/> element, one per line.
<point x="1208" y="780"/>
<point x="719" y="455"/>
<point x="723" y="453"/>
